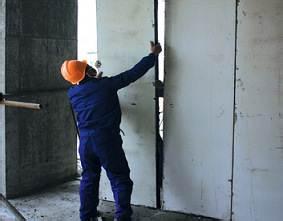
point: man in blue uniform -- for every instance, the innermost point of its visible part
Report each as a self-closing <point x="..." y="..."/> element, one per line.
<point x="95" y="101"/>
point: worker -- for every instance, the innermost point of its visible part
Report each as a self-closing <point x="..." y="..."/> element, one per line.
<point x="95" y="101"/>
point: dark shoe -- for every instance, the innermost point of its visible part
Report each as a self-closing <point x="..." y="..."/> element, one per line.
<point x="98" y="218"/>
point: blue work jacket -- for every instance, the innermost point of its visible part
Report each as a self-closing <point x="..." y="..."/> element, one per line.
<point x="96" y="102"/>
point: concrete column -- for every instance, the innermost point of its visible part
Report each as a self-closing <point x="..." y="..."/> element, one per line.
<point x="40" y="146"/>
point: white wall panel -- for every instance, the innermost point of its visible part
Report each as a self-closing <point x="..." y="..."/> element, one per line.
<point x="198" y="125"/>
<point x="124" y="30"/>
<point x="258" y="178"/>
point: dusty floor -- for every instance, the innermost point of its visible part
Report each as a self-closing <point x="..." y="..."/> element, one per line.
<point x="62" y="202"/>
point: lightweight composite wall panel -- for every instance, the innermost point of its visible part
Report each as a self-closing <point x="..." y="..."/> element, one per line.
<point x="124" y="29"/>
<point x="258" y="179"/>
<point x="198" y="121"/>
<point x="40" y="146"/>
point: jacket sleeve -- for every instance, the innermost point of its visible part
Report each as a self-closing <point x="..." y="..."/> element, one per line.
<point x="125" y="78"/>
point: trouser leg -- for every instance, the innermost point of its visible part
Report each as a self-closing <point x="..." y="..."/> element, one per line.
<point x="114" y="161"/>
<point x="89" y="186"/>
<point x="122" y="189"/>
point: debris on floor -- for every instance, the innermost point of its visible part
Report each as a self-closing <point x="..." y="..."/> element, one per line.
<point x="62" y="203"/>
<point x="8" y="212"/>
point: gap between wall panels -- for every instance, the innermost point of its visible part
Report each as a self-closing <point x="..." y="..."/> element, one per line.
<point x="157" y="143"/>
<point x="237" y="2"/>
<point x="159" y="35"/>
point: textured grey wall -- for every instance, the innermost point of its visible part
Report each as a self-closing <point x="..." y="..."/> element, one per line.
<point x="40" y="145"/>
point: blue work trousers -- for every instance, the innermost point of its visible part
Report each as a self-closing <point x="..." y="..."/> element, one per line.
<point x="106" y="151"/>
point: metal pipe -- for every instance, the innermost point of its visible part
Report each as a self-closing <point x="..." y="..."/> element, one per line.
<point x="18" y="104"/>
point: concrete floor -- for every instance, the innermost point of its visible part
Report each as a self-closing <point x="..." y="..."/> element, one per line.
<point x="62" y="202"/>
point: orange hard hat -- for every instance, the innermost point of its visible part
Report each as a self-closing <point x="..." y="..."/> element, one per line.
<point x="73" y="70"/>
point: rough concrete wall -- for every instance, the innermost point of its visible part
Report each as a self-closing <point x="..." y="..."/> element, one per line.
<point x="2" y="89"/>
<point x="198" y="121"/>
<point x="258" y="181"/>
<point x="124" y="29"/>
<point x="40" y="145"/>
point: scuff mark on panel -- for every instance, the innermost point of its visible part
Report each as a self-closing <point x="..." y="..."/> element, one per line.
<point x="240" y="84"/>
<point x="235" y="118"/>
<point x="246" y="115"/>
<point x="221" y="113"/>
<point x="280" y="91"/>
<point x="253" y="170"/>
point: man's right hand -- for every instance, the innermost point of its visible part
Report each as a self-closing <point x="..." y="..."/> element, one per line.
<point x="155" y="48"/>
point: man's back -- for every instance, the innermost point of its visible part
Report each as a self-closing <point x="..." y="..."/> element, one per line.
<point x="96" y="104"/>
